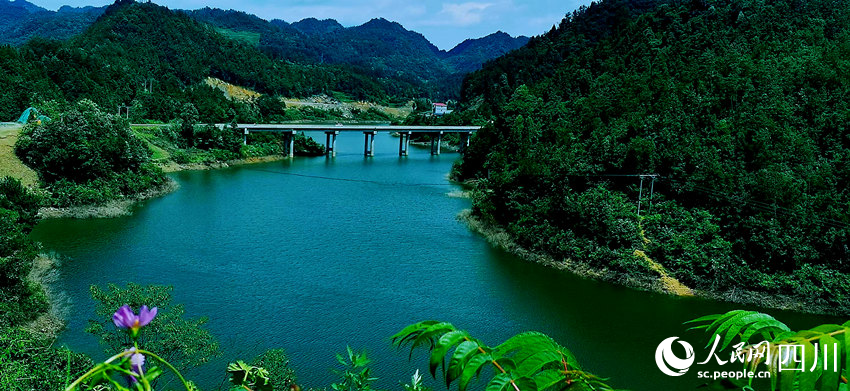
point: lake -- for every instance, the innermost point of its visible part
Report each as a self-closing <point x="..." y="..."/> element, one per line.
<point x="313" y="254"/>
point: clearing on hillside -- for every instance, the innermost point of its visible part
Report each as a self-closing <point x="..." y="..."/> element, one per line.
<point x="10" y="165"/>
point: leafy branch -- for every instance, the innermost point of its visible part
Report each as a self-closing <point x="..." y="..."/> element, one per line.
<point x="765" y="341"/>
<point x="529" y="361"/>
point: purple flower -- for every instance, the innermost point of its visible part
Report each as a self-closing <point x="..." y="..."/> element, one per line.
<point x="137" y="360"/>
<point x="125" y="318"/>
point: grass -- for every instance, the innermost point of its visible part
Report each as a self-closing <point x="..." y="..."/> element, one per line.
<point x="158" y="153"/>
<point x="10" y="165"/>
<point x="241" y="36"/>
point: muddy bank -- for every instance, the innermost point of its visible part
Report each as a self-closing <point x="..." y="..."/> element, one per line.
<point x="115" y="208"/>
<point x="44" y="273"/>
<point x="171" y="166"/>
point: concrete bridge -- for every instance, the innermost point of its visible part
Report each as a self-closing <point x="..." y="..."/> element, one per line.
<point x="369" y="131"/>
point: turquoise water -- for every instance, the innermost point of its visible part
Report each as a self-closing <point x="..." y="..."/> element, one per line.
<point x="314" y="254"/>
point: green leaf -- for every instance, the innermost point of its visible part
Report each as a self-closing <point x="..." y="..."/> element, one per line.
<point x="524" y="345"/>
<point x="499" y="382"/>
<point x="723" y="322"/>
<point x="429" y="333"/>
<point x="153" y="373"/>
<point x="809" y="377"/>
<point x="736" y="324"/>
<point x="535" y="362"/>
<point x="411" y="332"/>
<point x="764" y="326"/>
<point x="846" y="350"/>
<point x="829" y="378"/>
<point x="446" y="342"/>
<point x="459" y="359"/>
<point x="703" y="319"/>
<point x="723" y="318"/>
<point x="473" y="368"/>
<point x="525" y="383"/>
<point x="548" y="378"/>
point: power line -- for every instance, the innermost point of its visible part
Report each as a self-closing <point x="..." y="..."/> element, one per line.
<point x="351" y="179"/>
<point x="760" y="205"/>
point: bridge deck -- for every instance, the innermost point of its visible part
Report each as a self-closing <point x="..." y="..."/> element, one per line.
<point x="356" y="128"/>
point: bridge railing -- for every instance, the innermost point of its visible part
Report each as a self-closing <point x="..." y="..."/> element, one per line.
<point x="369" y="131"/>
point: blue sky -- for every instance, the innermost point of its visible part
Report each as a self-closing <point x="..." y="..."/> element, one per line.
<point x="445" y="23"/>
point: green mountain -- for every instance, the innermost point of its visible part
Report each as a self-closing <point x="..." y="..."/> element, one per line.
<point x="405" y="60"/>
<point x="313" y="26"/>
<point x="20" y="21"/>
<point x="471" y="54"/>
<point x="741" y="109"/>
<point x="132" y="43"/>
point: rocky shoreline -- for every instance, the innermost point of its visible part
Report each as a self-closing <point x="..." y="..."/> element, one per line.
<point x="497" y="236"/>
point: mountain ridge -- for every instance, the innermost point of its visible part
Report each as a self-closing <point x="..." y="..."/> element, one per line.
<point x="307" y="40"/>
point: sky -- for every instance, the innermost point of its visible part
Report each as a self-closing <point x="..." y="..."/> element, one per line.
<point x="444" y="23"/>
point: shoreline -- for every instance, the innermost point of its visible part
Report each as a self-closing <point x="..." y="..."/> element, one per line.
<point x="170" y="166"/>
<point x="114" y="208"/>
<point x="45" y="274"/>
<point x="498" y="237"/>
<point x="124" y="206"/>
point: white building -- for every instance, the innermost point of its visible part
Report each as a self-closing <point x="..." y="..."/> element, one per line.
<point x="440" y="109"/>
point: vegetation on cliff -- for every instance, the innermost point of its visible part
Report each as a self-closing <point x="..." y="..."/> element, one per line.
<point x="739" y="108"/>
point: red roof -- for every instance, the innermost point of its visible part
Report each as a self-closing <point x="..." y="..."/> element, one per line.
<point x="439" y="104"/>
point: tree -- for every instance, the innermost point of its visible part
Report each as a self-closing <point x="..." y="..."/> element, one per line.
<point x="84" y="143"/>
<point x="184" y="342"/>
<point x="187" y="119"/>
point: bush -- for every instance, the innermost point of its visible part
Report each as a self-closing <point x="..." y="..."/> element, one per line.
<point x="65" y="193"/>
<point x="30" y="362"/>
<point x="14" y="196"/>
<point x="276" y="362"/>
<point x="87" y="156"/>
<point x="83" y="144"/>
<point x="306" y="146"/>
<point x="257" y="150"/>
<point x="208" y="137"/>
<point x="21" y="300"/>
<point x="186" y="343"/>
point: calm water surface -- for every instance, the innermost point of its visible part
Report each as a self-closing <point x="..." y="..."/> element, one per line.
<point x="315" y="254"/>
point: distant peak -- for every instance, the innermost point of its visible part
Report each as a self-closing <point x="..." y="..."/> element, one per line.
<point x="316" y="26"/>
<point x="23" y="4"/>
<point x="381" y="22"/>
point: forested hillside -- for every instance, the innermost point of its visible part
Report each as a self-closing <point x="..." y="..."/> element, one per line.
<point x="21" y="20"/>
<point x="404" y="61"/>
<point x="135" y="43"/>
<point x="741" y="109"/>
<point x="471" y="54"/>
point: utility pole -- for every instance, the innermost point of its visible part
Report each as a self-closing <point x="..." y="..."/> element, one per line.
<point x="125" y="109"/>
<point x="653" y="177"/>
<point x="148" y="85"/>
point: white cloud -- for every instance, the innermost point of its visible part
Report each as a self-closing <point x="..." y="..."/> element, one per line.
<point x="464" y="14"/>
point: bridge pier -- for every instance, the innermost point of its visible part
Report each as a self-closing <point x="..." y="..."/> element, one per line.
<point x="289" y="143"/>
<point x="330" y="142"/>
<point x="245" y="137"/>
<point x="403" y="143"/>
<point x="436" y="141"/>
<point x="369" y="144"/>
<point x="464" y="142"/>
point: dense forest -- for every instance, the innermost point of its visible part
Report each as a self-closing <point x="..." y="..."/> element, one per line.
<point x="739" y="107"/>
<point x="404" y="61"/>
<point x="379" y="60"/>
<point x="21" y="21"/>
<point x="132" y="44"/>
